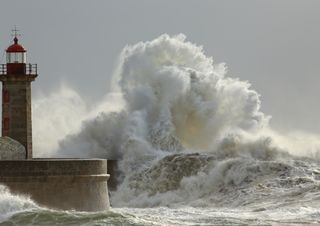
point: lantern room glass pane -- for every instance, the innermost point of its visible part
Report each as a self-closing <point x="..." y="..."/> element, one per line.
<point x="24" y="58"/>
<point x="16" y="57"/>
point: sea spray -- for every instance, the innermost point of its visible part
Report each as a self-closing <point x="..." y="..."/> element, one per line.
<point x="185" y="134"/>
<point x="174" y="98"/>
<point x="11" y="204"/>
<point x="55" y="116"/>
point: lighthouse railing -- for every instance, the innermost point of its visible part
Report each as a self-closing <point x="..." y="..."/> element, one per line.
<point x="3" y="69"/>
<point x="30" y="69"/>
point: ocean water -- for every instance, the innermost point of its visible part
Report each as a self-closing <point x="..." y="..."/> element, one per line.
<point x="254" y="192"/>
<point x="159" y="216"/>
<point x="193" y="146"/>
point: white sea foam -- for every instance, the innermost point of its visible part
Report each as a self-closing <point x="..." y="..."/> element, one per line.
<point x="184" y="133"/>
<point x="174" y="98"/>
<point x="11" y="204"/>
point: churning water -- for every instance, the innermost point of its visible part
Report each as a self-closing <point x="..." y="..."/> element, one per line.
<point x="192" y="144"/>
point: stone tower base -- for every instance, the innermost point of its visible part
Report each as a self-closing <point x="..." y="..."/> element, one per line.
<point x="67" y="184"/>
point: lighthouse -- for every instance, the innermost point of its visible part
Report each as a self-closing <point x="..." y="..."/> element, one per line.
<point x="16" y="77"/>
<point x="67" y="184"/>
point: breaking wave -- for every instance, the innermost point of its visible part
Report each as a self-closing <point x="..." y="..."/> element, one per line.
<point x="184" y="134"/>
<point x="11" y="204"/>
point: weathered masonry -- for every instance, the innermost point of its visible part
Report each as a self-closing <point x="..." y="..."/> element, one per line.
<point x="16" y="76"/>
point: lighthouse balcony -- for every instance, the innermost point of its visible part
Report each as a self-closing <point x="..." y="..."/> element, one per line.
<point x="18" y="68"/>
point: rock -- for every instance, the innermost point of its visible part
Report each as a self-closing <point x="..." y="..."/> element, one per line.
<point x="11" y="149"/>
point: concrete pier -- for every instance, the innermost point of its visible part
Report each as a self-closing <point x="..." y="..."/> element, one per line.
<point x="78" y="184"/>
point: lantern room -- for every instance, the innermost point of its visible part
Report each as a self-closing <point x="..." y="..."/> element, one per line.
<point x="16" y="60"/>
<point x="16" y="63"/>
<point x="16" y="53"/>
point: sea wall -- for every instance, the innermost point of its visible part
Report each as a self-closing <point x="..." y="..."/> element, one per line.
<point x="79" y="184"/>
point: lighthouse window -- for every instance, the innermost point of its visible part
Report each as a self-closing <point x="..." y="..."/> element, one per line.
<point x="24" y="57"/>
<point x="16" y="57"/>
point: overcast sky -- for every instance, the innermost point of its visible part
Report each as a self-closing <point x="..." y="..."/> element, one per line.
<point x="273" y="44"/>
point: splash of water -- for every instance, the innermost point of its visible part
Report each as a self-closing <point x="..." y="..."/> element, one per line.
<point x="174" y="98"/>
<point x="11" y="204"/>
<point x="171" y="102"/>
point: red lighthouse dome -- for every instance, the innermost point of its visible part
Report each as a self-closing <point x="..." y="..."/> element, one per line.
<point x="16" y="47"/>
